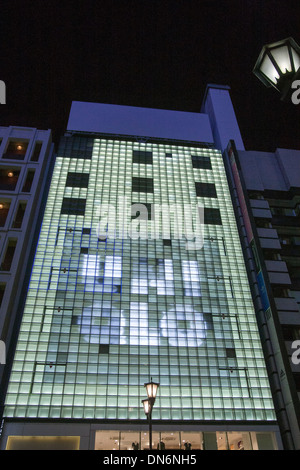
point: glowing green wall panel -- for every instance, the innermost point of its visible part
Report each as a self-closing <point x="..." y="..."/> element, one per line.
<point x="103" y="316"/>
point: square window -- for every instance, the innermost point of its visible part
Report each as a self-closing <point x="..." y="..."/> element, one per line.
<point x="73" y="206"/>
<point x="230" y="353"/>
<point x="201" y="162"/>
<point x="77" y="180"/>
<point x="212" y="216"/>
<point x="205" y="190"/>
<point x="143" y="185"/>
<point x="16" y="150"/>
<point x="103" y="348"/>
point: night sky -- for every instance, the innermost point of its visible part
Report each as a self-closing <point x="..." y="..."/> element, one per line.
<point x="148" y="53"/>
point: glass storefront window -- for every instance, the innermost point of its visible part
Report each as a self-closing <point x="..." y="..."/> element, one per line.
<point x="191" y="440"/>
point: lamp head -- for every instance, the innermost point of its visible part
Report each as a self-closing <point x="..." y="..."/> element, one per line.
<point x="278" y="64"/>
<point x="151" y="388"/>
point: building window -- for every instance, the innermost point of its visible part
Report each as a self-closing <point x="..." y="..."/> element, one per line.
<point x="297" y="381"/>
<point x="9" y="254"/>
<point x="142" y="185"/>
<point x="205" y="190"/>
<point x="140" y="156"/>
<point x="73" y="206"/>
<point x="76" y="147"/>
<point x="290" y="333"/>
<point x="103" y="348"/>
<point x="212" y="216"/>
<point x="17" y="223"/>
<point x="4" y="209"/>
<point x="77" y="180"/>
<point x="36" y="152"/>
<point x="168" y="155"/>
<point x="230" y="353"/>
<point x="9" y="179"/>
<point x="2" y="290"/>
<point x="201" y="162"/>
<point x="16" y="150"/>
<point x="28" y="182"/>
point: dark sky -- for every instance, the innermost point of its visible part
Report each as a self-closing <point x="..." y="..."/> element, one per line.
<point x="149" y="53"/>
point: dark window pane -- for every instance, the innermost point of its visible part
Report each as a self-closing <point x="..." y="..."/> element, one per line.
<point x="201" y="162"/>
<point x="73" y="206"/>
<point x="4" y="209"/>
<point x="205" y="190"/>
<point x="8" y="179"/>
<point x="36" y="152"/>
<point x="140" y="156"/>
<point x="28" y="182"/>
<point x="19" y="215"/>
<point x="2" y="290"/>
<point x="212" y="216"/>
<point x="103" y="348"/>
<point x="230" y="353"/>
<point x="16" y="150"/>
<point x="144" y="185"/>
<point x="76" y="147"/>
<point x="9" y="254"/>
<point x="77" y="180"/>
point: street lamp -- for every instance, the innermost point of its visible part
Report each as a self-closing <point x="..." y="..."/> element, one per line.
<point x="278" y="65"/>
<point x="148" y="404"/>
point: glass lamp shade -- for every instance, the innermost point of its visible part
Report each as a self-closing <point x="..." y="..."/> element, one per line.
<point x="151" y="388"/>
<point x="278" y="63"/>
<point x="147" y="406"/>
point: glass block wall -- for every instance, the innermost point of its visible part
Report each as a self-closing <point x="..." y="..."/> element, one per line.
<point x="106" y="313"/>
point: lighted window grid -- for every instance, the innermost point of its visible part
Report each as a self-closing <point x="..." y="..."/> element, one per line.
<point x="87" y="347"/>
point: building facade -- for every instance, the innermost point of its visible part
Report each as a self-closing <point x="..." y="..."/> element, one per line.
<point x="266" y="188"/>
<point x="25" y="160"/>
<point x="139" y="273"/>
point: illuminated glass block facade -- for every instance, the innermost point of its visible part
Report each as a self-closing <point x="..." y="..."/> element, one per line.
<point x="105" y="314"/>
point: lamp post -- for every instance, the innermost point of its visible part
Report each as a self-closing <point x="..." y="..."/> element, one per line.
<point x="148" y="404"/>
<point x="278" y="66"/>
